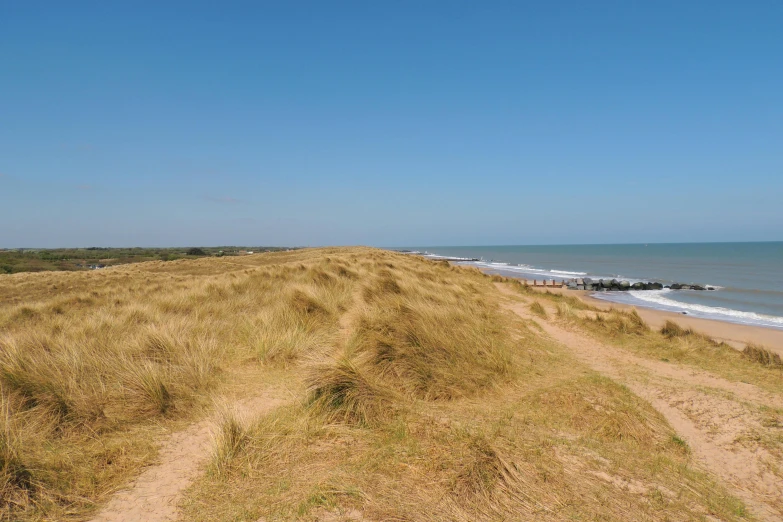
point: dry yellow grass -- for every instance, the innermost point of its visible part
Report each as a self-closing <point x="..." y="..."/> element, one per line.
<point x="726" y="402"/>
<point x="424" y="400"/>
<point x="94" y="365"/>
<point x="537" y="308"/>
<point x="437" y="406"/>
<point x="755" y="365"/>
<point x="762" y="356"/>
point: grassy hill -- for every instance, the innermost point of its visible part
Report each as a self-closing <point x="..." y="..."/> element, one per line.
<point x="403" y="391"/>
<point x="13" y="261"/>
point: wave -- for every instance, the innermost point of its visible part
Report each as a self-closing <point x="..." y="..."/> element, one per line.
<point x="436" y="256"/>
<point x="526" y="269"/>
<point x="658" y="297"/>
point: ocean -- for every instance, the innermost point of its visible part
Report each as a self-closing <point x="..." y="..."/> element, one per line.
<point x="747" y="277"/>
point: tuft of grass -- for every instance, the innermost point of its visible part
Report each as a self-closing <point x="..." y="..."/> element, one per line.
<point x="482" y="469"/>
<point x="679" y="441"/>
<point x="565" y="311"/>
<point x="230" y="441"/>
<point x="616" y="323"/>
<point x="537" y="308"/>
<point x="670" y="330"/>
<point x="149" y="382"/>
<point x="762" y="356"/>
<point x="556" y="297"/>
<point x="341" y="391"/>
<point x="520" y="287"/>
<point x="15" y="477"/>
<point x="638" y="325"/>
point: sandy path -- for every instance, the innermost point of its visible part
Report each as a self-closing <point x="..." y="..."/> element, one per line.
<point x="153" y="496"/>
<point x="721" y="421"/>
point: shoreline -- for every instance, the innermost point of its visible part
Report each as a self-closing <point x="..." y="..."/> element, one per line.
<point x="733" y="334"/>
<point x="746" y="287"/>
<point x="736" y="335"/>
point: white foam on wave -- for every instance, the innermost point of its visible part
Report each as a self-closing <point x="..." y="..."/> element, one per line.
<point x="653" y="298"/>
<point x="505" y="266"/>
<point x="560" y="274"/>
<point x="436" y="256"/>
<point x="658" y="297"/>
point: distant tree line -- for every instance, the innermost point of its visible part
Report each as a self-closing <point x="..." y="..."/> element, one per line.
<point x="43" y="259"/>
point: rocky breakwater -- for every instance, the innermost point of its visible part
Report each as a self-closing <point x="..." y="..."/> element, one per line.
<point x="606" y="285"/>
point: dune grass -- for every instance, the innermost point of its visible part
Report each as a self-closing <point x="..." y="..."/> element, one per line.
<point x="421" y="400"/>
<point x="435" y="405"/>
<point x="537" y="308"/>
<point x="762" y="356"/>
<point x="672" y="342"/>
<point x="94" y="365"/>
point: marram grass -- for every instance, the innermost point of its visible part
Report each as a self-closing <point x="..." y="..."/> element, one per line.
<point x="420" y="399"/>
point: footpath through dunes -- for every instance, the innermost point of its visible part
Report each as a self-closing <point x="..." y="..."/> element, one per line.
<point x="732" y="427"/>
<point x="352" y="384"/>
<point x="112" y="373"/>
<point x="434" y="404"/>
<point x="155" y="494"/>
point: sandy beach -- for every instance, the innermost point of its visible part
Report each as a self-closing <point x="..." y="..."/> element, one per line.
<point x="736" y="335"/>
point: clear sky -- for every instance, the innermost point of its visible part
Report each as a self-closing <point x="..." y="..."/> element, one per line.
<point x="390" y="122"/>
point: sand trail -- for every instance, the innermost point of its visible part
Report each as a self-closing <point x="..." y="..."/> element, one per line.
<point x="722" y="421"/>
<point x="154" y="495"/>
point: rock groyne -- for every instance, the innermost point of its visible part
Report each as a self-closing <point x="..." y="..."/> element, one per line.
<point x="606" y="285"/>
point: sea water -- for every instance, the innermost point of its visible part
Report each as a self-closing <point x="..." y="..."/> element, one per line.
<point x="747" y="277"/>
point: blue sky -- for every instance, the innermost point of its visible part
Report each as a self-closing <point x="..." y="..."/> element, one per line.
<point x="390" y="123"/>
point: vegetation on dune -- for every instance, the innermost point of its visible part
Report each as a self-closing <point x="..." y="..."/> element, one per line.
<point x="432" y="405"/>
<point x="90" y="372"/>
<point x="434" y="344"/>
<point x="670" y="329"/>
<point x="537" y="308"/>
<point x="762" y="356"/>
<point x="14" y="261"/>
<point x="731" y="395"/>
<point x="343" y="391"/>
<point x="673" y="342"/>
<point x="419" y="400"/>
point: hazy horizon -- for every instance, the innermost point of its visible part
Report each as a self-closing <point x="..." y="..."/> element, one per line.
<point x="217" y="245"/>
